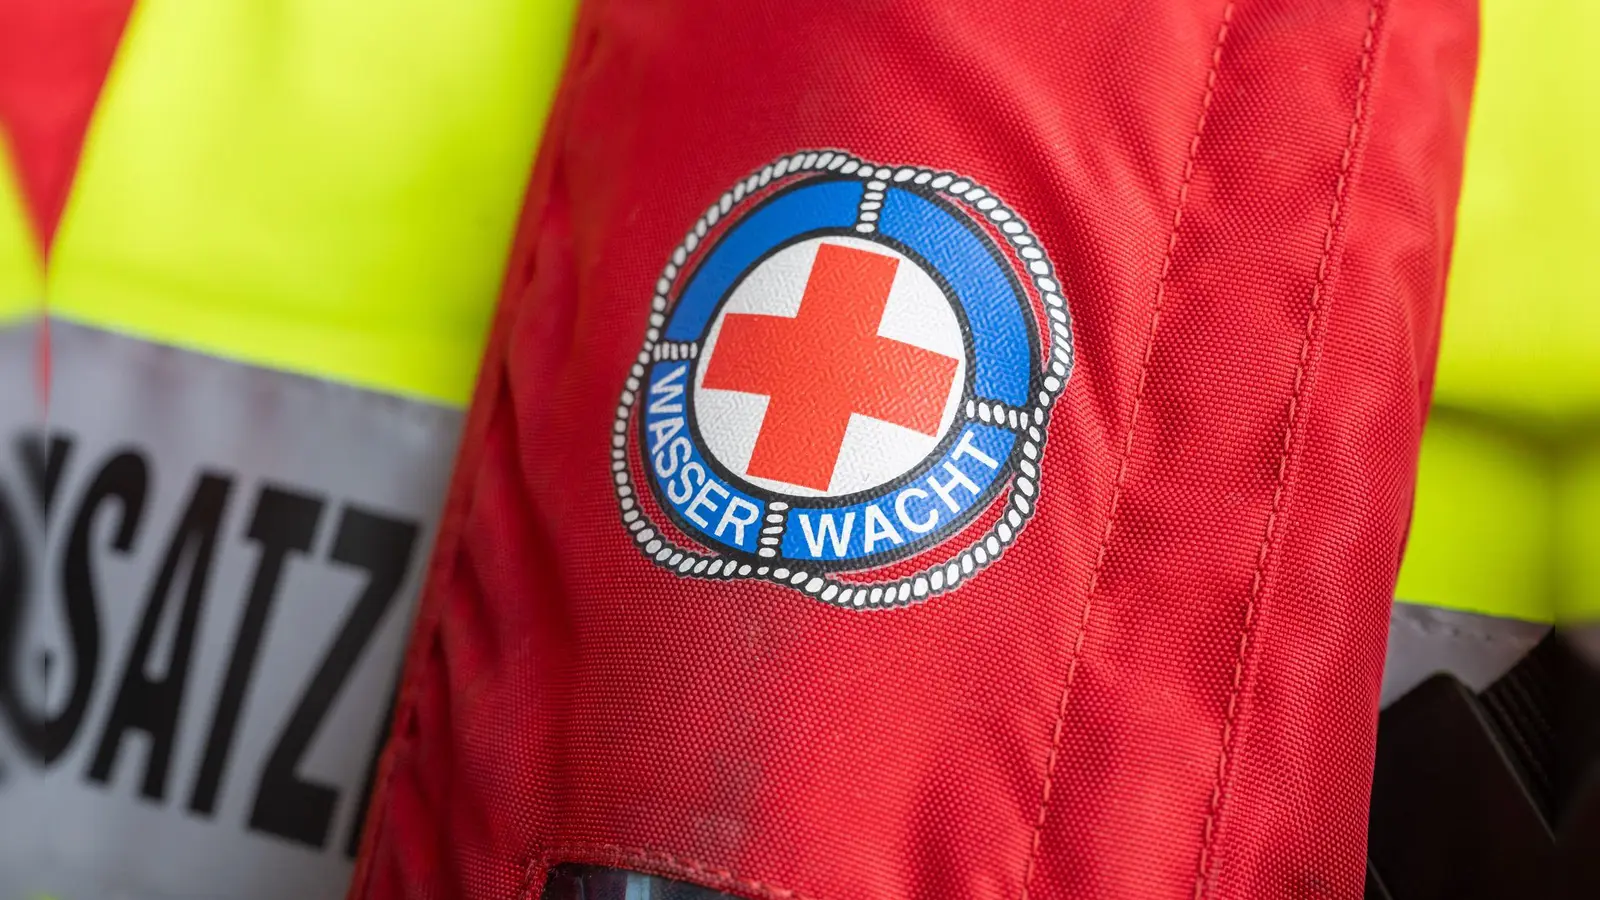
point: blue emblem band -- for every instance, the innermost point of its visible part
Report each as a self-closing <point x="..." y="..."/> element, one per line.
<point x="829" y="204"/>
<point x="1001" y="351"/>
<point x="703" y="500"/>
<point x="925" y="509"/>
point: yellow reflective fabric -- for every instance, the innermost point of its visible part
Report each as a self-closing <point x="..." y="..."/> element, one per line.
<point x="1481" y="531"/>
<point x="1522" y="325"/>
<point x="21" y="282"/>
<point x="1497" y="529"/>
<point x="1578" y="525"/>
<point x="327" y="187"/>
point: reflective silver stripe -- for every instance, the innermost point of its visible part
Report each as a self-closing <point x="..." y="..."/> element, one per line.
<point x="1425" y="640"/>
<point x="184" y="455"/>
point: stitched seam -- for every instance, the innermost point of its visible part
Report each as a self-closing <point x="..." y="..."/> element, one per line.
<point x="660" y="862"/>
<point x="1258" y="579"/>
<point x="1127" y="453"/>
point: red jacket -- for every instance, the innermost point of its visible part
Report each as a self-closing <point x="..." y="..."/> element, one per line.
<point x="1070" y="361"/>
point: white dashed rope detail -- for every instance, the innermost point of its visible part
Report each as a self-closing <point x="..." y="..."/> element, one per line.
<point x="871" y="204"/>
<point x="1028" y="422"/>
<point x="671" y="350"/>
<point x="993" y="412"/>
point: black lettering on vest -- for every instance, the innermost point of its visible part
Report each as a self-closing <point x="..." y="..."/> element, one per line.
<point x="13" y="586"/>
<point x="286" y="805"/>
<point x="151" y="704"/>
<point x="41" y="468"/>
<point x="123" y="479"/>
<point x="284" y="522"/>
<point x="43" y="464"/>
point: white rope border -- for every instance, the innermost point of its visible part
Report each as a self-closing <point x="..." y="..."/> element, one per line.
<point x="936" y="579"/>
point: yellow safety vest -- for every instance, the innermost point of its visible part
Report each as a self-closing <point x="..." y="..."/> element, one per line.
<point x="266" y="300"/>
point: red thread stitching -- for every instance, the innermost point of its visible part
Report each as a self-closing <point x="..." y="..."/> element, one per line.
<point x="1208" y="832"/>
<point x="1127" y="453"/>
<point x="664" y="863"/>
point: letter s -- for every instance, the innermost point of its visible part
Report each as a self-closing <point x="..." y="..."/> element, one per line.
<point x="668" y="461"/>
<point x="693" y="468"/>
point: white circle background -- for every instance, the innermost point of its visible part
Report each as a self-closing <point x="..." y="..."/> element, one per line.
<point x="875" y="452"/>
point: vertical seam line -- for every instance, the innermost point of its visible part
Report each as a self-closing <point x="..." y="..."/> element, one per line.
<point x="1258" y="579"/>
<point x="1127" y="453"/>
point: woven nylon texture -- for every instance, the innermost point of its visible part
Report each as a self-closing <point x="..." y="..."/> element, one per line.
<point x="1167" y="687"/>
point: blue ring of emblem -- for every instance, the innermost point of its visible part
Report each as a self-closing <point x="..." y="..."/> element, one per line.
<point x="1017" y="362"/>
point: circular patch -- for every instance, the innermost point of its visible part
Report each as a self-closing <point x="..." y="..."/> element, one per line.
<point x="845" y="384"/>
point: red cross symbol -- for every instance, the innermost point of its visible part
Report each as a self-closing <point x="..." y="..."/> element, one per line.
<point x="826" y="363"/>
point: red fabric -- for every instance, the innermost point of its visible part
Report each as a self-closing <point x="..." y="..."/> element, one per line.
<point x="54" y="55"/>
<point x="1167" y="687"/>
